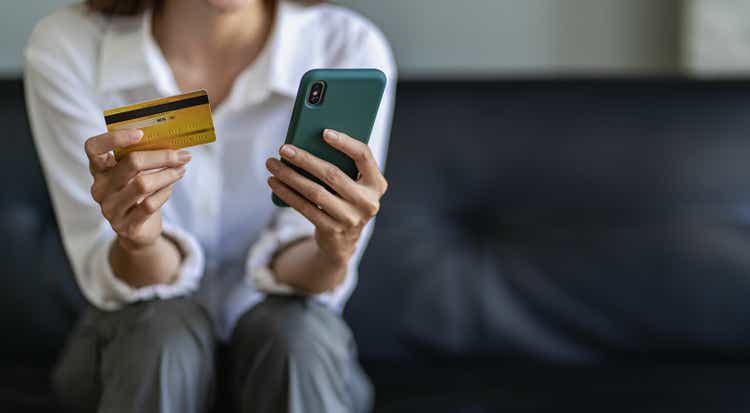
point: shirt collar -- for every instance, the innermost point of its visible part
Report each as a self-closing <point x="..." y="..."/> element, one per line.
<point x="123" y="62"/>
<point x="292" y="48"/>
<point x="130" y="58"/>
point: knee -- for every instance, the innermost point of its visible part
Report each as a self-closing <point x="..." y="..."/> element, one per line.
<point x="292" y="352"/>
<point x="296" y="327"/>
<point x="160" y="345"/>
<point x="173" y="334"/>
<point x="175" y="326"/>
<point x="167" y="344"/>
<point x="167" y="347"/>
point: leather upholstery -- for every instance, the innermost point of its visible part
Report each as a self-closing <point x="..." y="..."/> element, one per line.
<point x="569" y="221"/>
<point x="557" y="220"/>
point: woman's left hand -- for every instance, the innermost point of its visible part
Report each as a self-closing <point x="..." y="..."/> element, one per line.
<point x="338" y="218"/>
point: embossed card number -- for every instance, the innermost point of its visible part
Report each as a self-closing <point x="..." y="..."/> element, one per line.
<point x="168" y="123"/>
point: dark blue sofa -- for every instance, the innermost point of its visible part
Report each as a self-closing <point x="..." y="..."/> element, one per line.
<point x="546" y="245"/>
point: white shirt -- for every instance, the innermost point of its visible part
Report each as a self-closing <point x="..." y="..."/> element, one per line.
<point x="79" y="63"/>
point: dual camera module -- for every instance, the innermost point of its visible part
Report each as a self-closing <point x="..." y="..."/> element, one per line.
<point x="316" y="93"/>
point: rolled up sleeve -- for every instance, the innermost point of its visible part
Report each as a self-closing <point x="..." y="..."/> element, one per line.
<point x="107" y="291"/>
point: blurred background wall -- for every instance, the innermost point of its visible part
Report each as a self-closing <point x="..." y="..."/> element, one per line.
<point x="717" y="37"/>
<point x="489" y="37"/>
<point x="477" y="38"/>
<point x="17" y="18"/>
<point x="501" y="38"/>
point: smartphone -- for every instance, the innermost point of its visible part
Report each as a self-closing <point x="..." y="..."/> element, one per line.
<point x="346" y="100"/>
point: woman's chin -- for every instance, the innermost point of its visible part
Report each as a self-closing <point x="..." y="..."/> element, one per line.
<point x="228" y="6"/>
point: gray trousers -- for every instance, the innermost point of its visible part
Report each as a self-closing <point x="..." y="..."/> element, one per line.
<point x="287" y="354"/>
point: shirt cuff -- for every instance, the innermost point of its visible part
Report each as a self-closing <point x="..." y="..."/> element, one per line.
<point x="258" y="270"/>
<point x="110" y="293"/>
<point x="336" y="297"/>
<point x="261" y="277"/>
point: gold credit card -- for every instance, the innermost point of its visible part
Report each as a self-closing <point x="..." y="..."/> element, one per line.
<point x="168" y="123"/>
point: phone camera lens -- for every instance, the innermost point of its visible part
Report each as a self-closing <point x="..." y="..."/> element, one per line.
<point x="316" y="93"/>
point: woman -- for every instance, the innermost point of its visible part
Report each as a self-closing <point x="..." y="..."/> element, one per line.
<point x="175" y="248"/>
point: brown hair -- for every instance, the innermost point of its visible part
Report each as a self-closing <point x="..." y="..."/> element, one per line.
<point x="134" y="7"/>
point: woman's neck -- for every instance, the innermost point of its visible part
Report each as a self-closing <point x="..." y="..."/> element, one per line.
<point x="192" y="32"/>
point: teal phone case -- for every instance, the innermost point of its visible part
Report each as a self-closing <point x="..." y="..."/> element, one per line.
<point x="350" y="104"/>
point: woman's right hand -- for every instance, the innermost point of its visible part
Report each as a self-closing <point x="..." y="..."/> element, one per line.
<point x="131" y="191"/>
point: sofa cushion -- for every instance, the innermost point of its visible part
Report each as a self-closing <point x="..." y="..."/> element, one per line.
<point x="564" y="220"/>
<point x="38" y="299"/>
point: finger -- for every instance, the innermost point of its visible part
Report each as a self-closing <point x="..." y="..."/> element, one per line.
<point x="134" y="162"/>
<point x="140" y="188"/>
<point x="100" y="189"/>
<point x="101" y="163"/>
<point x="313" y="192"/>
<point x="98" y="147"/>
<point x="358" y="151"/>
<point x="307" y="209"/>
<point x="327" y="172"/>
<point x="138" y="215"/>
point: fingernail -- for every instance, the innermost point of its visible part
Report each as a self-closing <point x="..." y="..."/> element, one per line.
<point x="181" y="170"/>
<point x="136" y="134"/>
<point x="184" y="156"/>
<point x="272" y="165"/>
<point x="330" y="135"/>
<point x="288" y="151"/>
